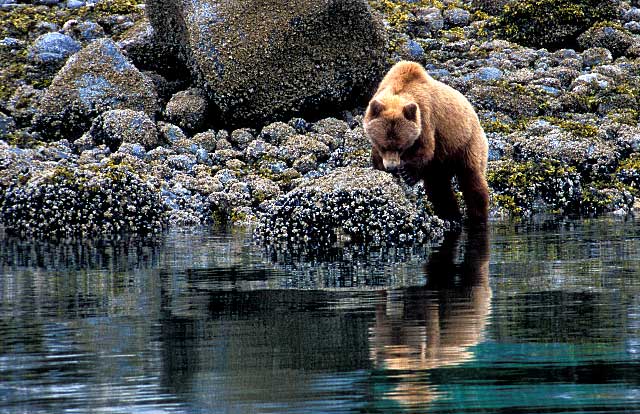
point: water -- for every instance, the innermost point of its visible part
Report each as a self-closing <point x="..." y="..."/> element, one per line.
<point x="541" y="317"/>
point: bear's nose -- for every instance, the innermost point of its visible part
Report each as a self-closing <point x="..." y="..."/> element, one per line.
<point x="393" y="169"/>
<point x="391" y="162"/>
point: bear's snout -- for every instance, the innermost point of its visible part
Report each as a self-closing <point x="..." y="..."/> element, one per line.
<point x="391" y="162"/>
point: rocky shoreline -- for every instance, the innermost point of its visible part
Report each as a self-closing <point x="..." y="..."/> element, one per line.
<point x="103" y="130"/>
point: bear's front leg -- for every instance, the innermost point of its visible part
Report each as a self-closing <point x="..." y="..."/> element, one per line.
<point x="476" y="195"/>
<point x="437" y="185"/>
<point x="409" y="173"/>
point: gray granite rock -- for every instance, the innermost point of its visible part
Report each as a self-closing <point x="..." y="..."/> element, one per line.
<point x="96" y="79"/>
<point x="187" y="109"/>
<point x="52" y="48"/>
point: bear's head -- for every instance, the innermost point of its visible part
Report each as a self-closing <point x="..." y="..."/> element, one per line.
<point x="393" y="126"/>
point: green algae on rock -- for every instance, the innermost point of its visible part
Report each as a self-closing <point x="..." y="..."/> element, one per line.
<point x="94" y="80"/>
<point x="529" y="187"/>
<point x="552" y="24"/>
<point x="265" y="60"/>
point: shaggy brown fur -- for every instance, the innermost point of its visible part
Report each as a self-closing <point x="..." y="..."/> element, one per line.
<point x="424" y="129"/>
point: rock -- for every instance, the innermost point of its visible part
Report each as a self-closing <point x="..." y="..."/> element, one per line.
<point x="616" y="40"/>
<point x="552" y="24"/>
<point x="52" y="48"/>
<point x="331" y="131"/>
<point x="206" y="140"/>
<point x="277" y="132"/>
<point x="94" y="80"/>
<point x="43" y="27"/>
<point x="591" y="156"/>
<point x="182" y="162"/>
<point x="135" y="150"/>
<point x="300" y="125"/>
<point x="171" y="134"/>
<point x="84" y="31"/>
<point x="428" y="21"/>
<point x="146" y="50"/>
<point x="629" y="171"/>
<point x="187" y="109"/>
<point x="633" y="27"/>
<point x="490" y="6"/>
<point x="240" y="53"/>
<point x="7" y="125"/>
<point x="514" y="100"/>
<point x="489" y="74"/>
<point x="12" y="43"/>
<point x="257" y="149"/>
<point x="70" y="201"/>
<point x="222" y="156"/>
<point x="456" y="17"/>
<point x="298" y="146"/>
<point x="596" y="56"/>
<point x="74" y="4"/>
<point x="633" y="14"/>
<point x="114" y="127"/>
<point x="524" y="188"/>
<point x="591" y="79"/>
<point x="414" y="50"/>
<point x="242" y="137"/>
<point x="354" y="203"/>
<point x="222" y="140"/>
<point x="262" y="189"/>
<point x="627" y="139"/>
<point x="23" y="104"/>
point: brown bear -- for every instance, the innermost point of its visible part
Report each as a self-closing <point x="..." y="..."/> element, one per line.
<point x="425" y="130"/>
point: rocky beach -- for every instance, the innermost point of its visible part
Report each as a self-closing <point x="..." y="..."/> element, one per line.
<point x="124" y="117"/>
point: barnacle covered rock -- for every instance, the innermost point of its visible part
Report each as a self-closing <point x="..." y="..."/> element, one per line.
<point x="82" y="201"/>
<point x="260" y="61"/>
<point x="352" y="203"/>
<point x="114" y="127"/>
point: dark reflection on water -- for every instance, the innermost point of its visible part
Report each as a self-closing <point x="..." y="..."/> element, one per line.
<point x="524" y="318"/>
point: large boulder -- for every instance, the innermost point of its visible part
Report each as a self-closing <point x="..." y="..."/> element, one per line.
<point x="616" y="39"/>
<point x="265" y="60"/>
<point x="354" y="203"/>
<point x="96" y="79"/>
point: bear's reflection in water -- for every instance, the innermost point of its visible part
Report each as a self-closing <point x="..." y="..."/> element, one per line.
<point x="435" y="325"/>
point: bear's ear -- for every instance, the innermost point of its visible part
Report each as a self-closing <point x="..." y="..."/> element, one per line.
<point x="410" y="111"/>
<point x="375" y="108"/>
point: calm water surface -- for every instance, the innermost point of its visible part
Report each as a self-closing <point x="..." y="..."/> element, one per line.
<point x="541" y="317"/>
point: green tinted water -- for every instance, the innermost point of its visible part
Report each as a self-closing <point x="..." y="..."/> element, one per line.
<point x="527" y="318"/>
